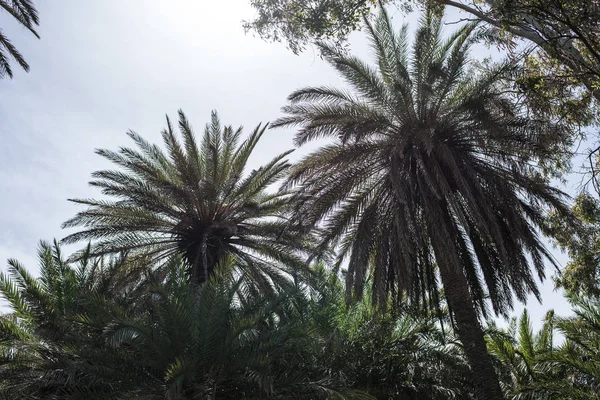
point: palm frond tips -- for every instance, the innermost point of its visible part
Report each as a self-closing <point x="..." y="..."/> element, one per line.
<point x="26" y="14"/>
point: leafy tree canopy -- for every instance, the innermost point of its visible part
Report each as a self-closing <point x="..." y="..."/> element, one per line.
<point x="560" y="60"/>
<point x="299" y="22"/>
<point x="582" y="242"/>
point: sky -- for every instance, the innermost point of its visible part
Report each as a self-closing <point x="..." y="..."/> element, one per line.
<point x="103" y="67"/>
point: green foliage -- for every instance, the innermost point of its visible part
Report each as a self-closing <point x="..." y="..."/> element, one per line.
<point x="46" y="349"/>
<point x="550" y="88"/>
<point x="578" y="358"/>
<point x="582" y="241"/>
<point x="99" y="329"/>
<point x="194" y="200"/>
<point x="24" y="12"/>
<point x="567" y="33"/>
<point x="221" y="342"/>
<point x="534" y="367"/>
<point x="300" y="21"/>
<point x="519" y="354"/>
<point x="401" y="355"/>
<point x="79" y="331"/>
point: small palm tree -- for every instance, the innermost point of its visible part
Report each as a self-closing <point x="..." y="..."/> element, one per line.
<point x="193" y="200"/>
<point x="25" y="13"/>
<point x="45" y="349"/>
<point x="233" y="343"/>
<point x="428" y="173"/>
<point x="578" y="358"/>
<point x="402" y="355"/>
<point x="520" y="354"/>
<point x="533" y="367"/>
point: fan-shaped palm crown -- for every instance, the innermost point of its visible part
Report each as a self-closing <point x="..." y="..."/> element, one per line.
<point x="25" y="13"/>
<point x="429" y="166"/>
<point x="192" y="200"/>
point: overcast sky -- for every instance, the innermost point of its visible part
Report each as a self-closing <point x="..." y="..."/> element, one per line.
<point x="105" y="66"/>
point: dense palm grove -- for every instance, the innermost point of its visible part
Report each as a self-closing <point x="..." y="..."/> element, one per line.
<point x="370" y="269"/>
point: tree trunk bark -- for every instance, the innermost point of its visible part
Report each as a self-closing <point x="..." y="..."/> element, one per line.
<point x="487" y="386"/>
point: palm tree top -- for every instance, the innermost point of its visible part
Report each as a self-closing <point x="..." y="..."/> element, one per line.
<point x="193" y="198"/>
<point x="418" y="137"/>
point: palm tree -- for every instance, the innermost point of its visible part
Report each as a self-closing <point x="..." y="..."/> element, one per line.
<point x="400" y="355"/>
<point x="47" y="350"/>
<point x="25" y="13"/>
<point x="521" y="354"/>
<point x="533" y="367"/>
<point x="578" y="358"/>
<point x="193" y="200"/>
<point x="100" y="329"/>
<point x="428" y="172"/>
<point x="235" y="344"/>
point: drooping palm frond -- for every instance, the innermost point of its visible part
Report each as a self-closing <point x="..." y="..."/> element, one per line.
<point x="428" y="176"/>
<point x="26" y="14"/>
<point x="194" y="199"/>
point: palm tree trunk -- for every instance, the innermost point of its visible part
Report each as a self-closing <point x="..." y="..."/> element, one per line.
<point x="204" y="250"/>
<point x="487" y="386"/>
<point x="200" y="267"/>
<point x="199" y="271"/>
<point x="460" y="302"/>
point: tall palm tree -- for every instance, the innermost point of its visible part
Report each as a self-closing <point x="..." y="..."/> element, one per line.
<point x="193" y="200"/>
<point x="26" y="14"/>
<point x="428" y="172"/>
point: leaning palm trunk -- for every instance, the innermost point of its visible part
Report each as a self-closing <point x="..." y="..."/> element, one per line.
<point x="458" y="296"/>
<point x="469" y="331"/>
<point x="429" y="177"/>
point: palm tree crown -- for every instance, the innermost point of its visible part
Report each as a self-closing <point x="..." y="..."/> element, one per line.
<point x="26" y="14"/>
<point x="429" y="162"/>
<point x="192" y="200"/>
<point x="429" y="170"/>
